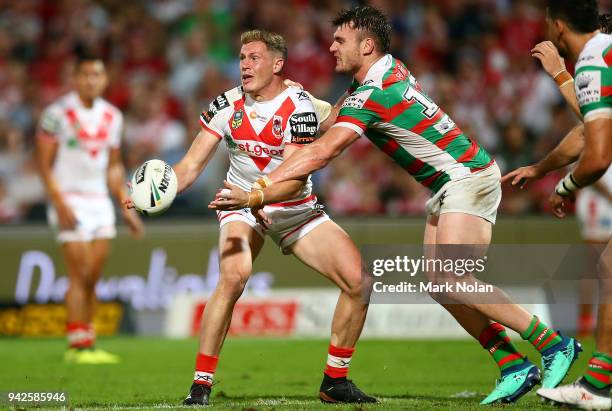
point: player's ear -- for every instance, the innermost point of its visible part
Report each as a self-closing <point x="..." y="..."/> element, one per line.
<point x="560" y="26"/>
<point x="367" y="46"/>
<point x="277" y="67"/>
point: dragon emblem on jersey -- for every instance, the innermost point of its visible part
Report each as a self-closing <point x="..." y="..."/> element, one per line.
<point x="237" y="119"/>
<point x="277" y="126"/>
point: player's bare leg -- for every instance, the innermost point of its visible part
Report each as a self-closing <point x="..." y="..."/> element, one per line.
<point x="592" y="390"/>
<point x="518" y="374"/>
<point x="587" y="290"/>
<point x="330" y="251"/>
<point x="84" y="262"/>
<point x="99" y="250"/>
<point x="239" y="245"/>
<point x="470" y="319"/>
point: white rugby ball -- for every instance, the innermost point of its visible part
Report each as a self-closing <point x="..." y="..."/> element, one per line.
<point x="154" y="187"/>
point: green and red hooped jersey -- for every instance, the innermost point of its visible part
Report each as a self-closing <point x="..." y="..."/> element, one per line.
<point x="392" y="110"/>
<point x="593" y="80"/>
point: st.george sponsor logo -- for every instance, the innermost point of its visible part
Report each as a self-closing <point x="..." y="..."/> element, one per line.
<point x="258" y="150"/>
<point x="304" y="127"/>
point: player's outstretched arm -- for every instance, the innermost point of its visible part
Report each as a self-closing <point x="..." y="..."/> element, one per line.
<point x="565" y="153"/>
<point x="195" y="160"/>
<point x="234" y="198"/>
<point x="554" y="65"/>
<point x="314" y="156"/>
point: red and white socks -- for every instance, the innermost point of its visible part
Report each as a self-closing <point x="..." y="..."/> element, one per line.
<point x="80" y="335"/>
<point x="205" y="369"/>
<point x="338" y="361"/>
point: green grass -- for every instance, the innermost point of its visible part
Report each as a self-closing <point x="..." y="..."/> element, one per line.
<point x="263" y="374"/>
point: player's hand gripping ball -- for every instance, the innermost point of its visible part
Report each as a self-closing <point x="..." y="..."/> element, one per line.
<point x="153" y="187"/>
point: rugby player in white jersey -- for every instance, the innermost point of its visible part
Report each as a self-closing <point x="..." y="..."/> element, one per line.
<point x="387" y="105"/>
<point x="262" y="122"/>
<point x="79" y="160"/>
<point x="573" y="31"/>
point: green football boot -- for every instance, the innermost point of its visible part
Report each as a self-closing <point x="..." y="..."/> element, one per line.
<point x="514" y="383"/>
<point x="557" y="361"/>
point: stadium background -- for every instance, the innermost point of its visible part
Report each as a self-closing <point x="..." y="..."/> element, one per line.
<point x="167" y="59"/>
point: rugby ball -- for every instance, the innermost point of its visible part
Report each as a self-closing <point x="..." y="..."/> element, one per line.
<point x="153" y="187"/>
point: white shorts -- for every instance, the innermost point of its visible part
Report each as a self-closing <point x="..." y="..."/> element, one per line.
<point x="95" y="218"/>
<point x="477" y="194"/>
<point x="290" y="220"/>
<point x="594" y="213"/>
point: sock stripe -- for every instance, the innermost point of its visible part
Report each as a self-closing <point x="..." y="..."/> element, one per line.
<point x="205" y="369"/>
<point x="535" y="327"/>
<point x="495" y="340"/>
<point x="599" y="371"/>
<point x="489" y="333"/>
<point x="338" y="361"/>
<point x="549" y="339"/>
<point x="343" y="352"/>
<point x="510" y="357"/>
<point x="599" y="376"/>
<point x="540" y="335"/>
<point x="600" y="364"/>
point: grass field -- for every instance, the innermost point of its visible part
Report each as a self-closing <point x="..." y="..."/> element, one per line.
<point x="262" y="374"/>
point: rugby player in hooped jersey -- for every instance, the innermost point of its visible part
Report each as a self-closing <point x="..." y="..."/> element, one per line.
<point x="573" y="30"/>
<point x="386" y="104"/>
<point x="263" y="122"/>
<point x="79" y="160"/>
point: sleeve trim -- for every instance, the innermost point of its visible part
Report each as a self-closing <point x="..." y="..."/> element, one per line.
<point x="210" y="130"/>
<point x="605" y="112"/>
<point x="352" y="126"/>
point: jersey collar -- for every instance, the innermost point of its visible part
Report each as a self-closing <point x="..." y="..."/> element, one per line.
<point x="374" y="76"/>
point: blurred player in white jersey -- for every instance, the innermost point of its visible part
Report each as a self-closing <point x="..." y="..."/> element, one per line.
<point x="79" y="159"/>
<point x="263" y="122"/>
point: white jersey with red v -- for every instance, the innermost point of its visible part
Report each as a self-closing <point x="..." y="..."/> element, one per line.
<point x="257" y="132"/>
<point x="85" y="136"/>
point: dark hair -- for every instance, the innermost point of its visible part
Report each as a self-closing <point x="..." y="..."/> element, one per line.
<point x="370" y="20"/>
<point x="581" y="15"/>
<point x="85" y="55"/>
<point x="605" y="23"/>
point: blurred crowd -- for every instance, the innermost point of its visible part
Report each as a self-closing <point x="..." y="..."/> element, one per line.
<point x="167" y="59"/>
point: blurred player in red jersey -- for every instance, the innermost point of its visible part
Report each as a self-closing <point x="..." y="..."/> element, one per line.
<point x="262" y="122"/>
<point x="79" y="159"/>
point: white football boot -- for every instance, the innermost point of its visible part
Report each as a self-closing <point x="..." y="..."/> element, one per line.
<point x="576" y="396"/>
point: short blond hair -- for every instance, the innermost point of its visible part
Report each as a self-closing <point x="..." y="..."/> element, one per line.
<point x="273" y="41"/>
